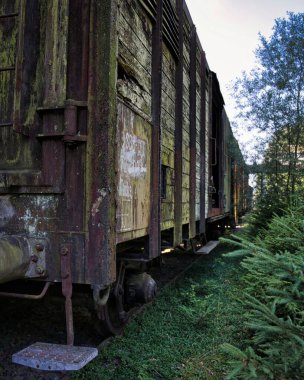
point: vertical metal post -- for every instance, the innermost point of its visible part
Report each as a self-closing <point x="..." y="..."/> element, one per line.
<point x="154" y="231"/>
<point x="101" y="144"/>
<point x="221" y="157"/>
<point x="235" y="192"/>
<point x="203" y="145"/>
<point x="192" y="192"/>
<point x="210" y="121"/>
<point x="66" y="275"/>
<point x="70" y="120"/>
<point x="178" y="135"/>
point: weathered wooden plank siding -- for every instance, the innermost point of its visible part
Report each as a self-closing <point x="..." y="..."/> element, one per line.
<point x="8" y="38"/>
<point x="38" y="85"/>
<point x="56" y="53"/>
<point x="134" y="56"/>
<point x="11" y="156"/>
<point x="167" y="135"/>
<point x="134" y="120"/>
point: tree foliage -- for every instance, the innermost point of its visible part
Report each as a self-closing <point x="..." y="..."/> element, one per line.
<point x="274" y="287"/>
<point x="271" y="99"/>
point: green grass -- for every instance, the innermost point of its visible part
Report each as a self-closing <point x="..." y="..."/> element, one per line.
<point x="179" y="336"/>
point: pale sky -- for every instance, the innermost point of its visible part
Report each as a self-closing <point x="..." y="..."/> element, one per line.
<point x="228" y="31"/>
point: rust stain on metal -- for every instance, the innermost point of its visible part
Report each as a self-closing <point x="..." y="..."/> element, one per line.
<point x="67" y="289"/>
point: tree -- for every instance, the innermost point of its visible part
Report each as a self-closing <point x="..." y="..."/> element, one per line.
<point x="271" y="98"/>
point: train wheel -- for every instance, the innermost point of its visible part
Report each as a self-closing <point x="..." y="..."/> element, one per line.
<point x="112" y="317"/>
<point x="111" y="314"/>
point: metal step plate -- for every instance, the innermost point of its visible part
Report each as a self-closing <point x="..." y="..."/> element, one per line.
<point x="54" y="357"/>
<point x="206" y="249"/>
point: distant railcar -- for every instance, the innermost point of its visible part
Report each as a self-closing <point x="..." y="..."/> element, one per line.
<point x="113" y="143"/>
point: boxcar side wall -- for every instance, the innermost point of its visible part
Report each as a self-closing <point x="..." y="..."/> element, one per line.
<point x="181" y="123"/>
<point x="112" y="135"/>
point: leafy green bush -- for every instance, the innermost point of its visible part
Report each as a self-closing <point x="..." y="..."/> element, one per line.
<point x="274" y="285"/>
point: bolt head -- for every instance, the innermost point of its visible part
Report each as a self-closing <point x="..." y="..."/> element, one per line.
<point x="34" y="258"/>
<point x="64" y="251"/>
<point x="39" y="247"/>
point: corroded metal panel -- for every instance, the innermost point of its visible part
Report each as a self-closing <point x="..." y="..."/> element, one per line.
<point x="29" y="215"/>
<point x="133" y="174"/>
<point x="41" y="160"/>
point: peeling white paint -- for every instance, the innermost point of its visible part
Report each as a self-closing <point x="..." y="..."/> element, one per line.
<point x="133" y="161"/>
<point x="133" y="168"/>
<point x="44" y="202"/>
<point x="30" y="222"/>
<point x="124" y="188"/>
<point x="41" y="209"/>
<point x="95" y="208"/>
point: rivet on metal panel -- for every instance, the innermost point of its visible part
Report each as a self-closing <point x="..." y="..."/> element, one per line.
<point x="34" y="258"/>
<point x="64" y="251"/>
<point x="39" y="247"/>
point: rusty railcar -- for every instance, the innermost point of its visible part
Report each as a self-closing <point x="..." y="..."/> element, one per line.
<point x="113" y="141"/>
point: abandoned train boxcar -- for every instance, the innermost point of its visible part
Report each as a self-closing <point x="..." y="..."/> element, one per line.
<point x="113" y="139"/>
